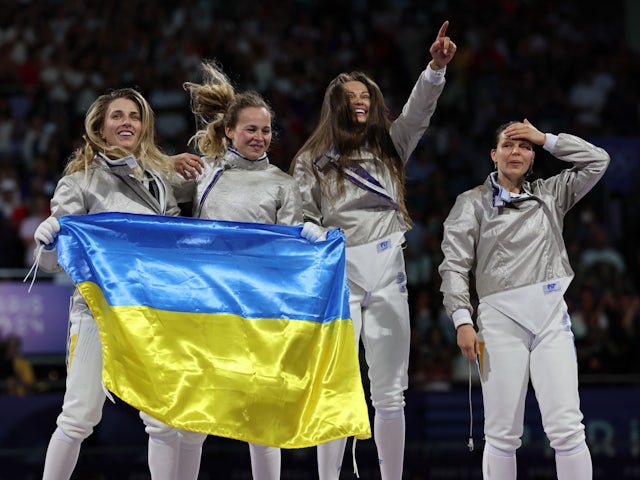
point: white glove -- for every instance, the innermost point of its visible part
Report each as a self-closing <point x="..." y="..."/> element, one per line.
<point x="313" y="232"/>
<point x="47" y="231"/>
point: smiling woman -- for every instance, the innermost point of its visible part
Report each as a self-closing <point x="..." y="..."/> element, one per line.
<point x="118" y="124"/>
<point x="118" y="169"/>
<point x="351" y="173"/>
<point x="122" y="124"/>
<point x="235" y="181"/>
<point x="251" y="135"/>
<point x="359" y="99"/>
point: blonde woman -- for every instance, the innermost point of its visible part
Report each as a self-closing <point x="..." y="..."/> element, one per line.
<point x="118" y="169"/>
<point x="234" y="180"/>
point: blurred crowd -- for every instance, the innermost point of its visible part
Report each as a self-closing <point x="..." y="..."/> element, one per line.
<point x="17" y="375"/>
<point x="565" y="67"/>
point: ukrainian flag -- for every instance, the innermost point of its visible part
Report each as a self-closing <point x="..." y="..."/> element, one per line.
<point x="240" y="330"/>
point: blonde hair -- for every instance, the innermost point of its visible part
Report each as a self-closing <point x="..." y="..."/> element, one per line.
<point x="216" y="105"/>
<point x="147" y="153"/>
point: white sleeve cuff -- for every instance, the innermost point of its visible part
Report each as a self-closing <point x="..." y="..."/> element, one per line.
<point x="550" y="141"/>
<point x="435" y="76"/>
<point x="461" y="317"/>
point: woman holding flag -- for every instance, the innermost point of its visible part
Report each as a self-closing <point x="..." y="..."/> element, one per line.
<point x="118" y="169"/>
<point x="235" y="181"/>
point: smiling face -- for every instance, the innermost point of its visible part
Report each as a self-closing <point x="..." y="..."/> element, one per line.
<point x="122" y="124"/>
<point x="513" y="159"/>
<point x="251" y="135"/>
<point x="359" y="100"/>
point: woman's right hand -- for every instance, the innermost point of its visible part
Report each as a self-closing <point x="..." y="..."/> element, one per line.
<point x="47" y="231"/>
<point x="525" y="131"/>
<point x="468" y="341"/>
<point x="313" y="232"/>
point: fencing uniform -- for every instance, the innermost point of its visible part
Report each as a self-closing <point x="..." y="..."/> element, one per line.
<point x="374" y="228"/>
<point x="234" y="188"/>
<point x="109" y="186"/>
<point x="513" y="245"/>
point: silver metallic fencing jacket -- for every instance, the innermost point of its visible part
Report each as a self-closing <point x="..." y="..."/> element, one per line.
<point x="518" y="243"/>
<point x="236" y="189"/>
<point x="108" y="186"/>
<point x="367" y="211"/>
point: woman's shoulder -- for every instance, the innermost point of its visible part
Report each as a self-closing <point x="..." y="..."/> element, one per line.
<point x="475" y="193"/>
<point x="279" y="174"/>
<point x="305" y="158"/>
<point x="82" y="176"/>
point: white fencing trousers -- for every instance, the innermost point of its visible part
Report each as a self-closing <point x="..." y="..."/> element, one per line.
<point x="380" y="312"/>
<point x="511" y="356"/>
<point x="84" y="395"/>
<point x="174" y="454"/>
<point x="265" y="462"/>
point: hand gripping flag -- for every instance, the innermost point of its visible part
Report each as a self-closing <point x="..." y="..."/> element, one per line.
<point x="239" y="330"/>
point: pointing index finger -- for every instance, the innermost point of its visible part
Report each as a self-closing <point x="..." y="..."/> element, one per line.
<point x="443" y="29"/>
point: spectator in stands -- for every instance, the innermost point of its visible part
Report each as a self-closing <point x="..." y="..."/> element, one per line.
<point x="15" y="370"/>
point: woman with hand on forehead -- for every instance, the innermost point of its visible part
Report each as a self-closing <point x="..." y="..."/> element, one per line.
<point x="507" y="234"/>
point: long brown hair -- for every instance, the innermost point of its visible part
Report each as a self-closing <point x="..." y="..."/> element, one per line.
<point x="337" y="128"/>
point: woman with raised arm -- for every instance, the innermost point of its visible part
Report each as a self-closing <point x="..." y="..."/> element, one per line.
<point x="351" y="173"/>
